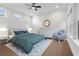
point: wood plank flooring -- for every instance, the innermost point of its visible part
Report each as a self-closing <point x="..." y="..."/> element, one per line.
<point x="58" y="49"/>
<point x="54" y="49"/>
<point x="4" y="51"/>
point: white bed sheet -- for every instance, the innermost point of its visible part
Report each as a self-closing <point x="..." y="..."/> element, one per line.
<point x="38" y="49"/>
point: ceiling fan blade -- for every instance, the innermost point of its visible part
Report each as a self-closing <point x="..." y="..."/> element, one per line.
<point x="37" y="6"/>
<point x="33" y="6"/>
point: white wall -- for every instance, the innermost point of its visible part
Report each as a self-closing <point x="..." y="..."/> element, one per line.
<point x="11" y="22"/>
<point x="57" y="22"/>
<point x="72" y="27"/>
<point x="35" y="23"/>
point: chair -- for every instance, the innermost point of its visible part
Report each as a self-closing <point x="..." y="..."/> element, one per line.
<point x="59" y="35"/>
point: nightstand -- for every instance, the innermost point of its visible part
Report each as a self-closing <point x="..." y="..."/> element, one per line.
<point x="3" y="40"/>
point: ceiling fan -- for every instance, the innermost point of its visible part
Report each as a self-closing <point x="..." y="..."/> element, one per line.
<point x="33" y="6"/>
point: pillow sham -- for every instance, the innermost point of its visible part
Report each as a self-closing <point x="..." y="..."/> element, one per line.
<point x="20" y="32"/>
<point x="25" y="31"/>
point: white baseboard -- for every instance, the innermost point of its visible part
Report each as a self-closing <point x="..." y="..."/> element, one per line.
<point x="74" y="45"/>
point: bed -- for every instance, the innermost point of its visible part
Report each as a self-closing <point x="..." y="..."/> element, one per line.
<point x="38" y="47"/>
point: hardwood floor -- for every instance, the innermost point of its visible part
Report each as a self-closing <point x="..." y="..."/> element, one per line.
<point x="58" y="49"/>
<point x="55" y="49"/>
<point x="4" y="51"/>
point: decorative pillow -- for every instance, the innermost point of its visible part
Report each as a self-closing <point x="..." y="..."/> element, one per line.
<point x="18" y="32"/>
<point x="25" y="31"/>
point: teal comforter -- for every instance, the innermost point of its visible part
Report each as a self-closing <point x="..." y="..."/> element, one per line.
<point x="27" y="40"/>
<point x="34" y="38"/>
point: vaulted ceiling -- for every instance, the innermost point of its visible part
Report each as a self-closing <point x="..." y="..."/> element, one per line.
<point x="46" y="8"/>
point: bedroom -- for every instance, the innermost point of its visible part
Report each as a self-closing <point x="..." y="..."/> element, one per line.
<point x="38" y="22"/>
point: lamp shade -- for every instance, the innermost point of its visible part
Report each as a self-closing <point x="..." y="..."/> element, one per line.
<point x="3" y="29"/>
<point x="3" y="32"/>
<point x="29" y="29"/>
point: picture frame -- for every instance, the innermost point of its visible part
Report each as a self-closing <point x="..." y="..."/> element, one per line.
<point x="46" y="23"/>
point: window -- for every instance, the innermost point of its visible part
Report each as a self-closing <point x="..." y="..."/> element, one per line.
<point x="2" y="11"/>
<point x="17" y="16"/>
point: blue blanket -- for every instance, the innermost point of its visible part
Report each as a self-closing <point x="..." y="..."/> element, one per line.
<point x="27" y="40"/>
<point x="34" y="38"/>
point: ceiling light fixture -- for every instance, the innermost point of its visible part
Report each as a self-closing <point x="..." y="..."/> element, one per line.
<point x="33" y="8"/>
<point x="56" y="6"/>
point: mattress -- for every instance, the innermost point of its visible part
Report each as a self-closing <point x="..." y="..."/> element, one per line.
<point x="38" y="49"/>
